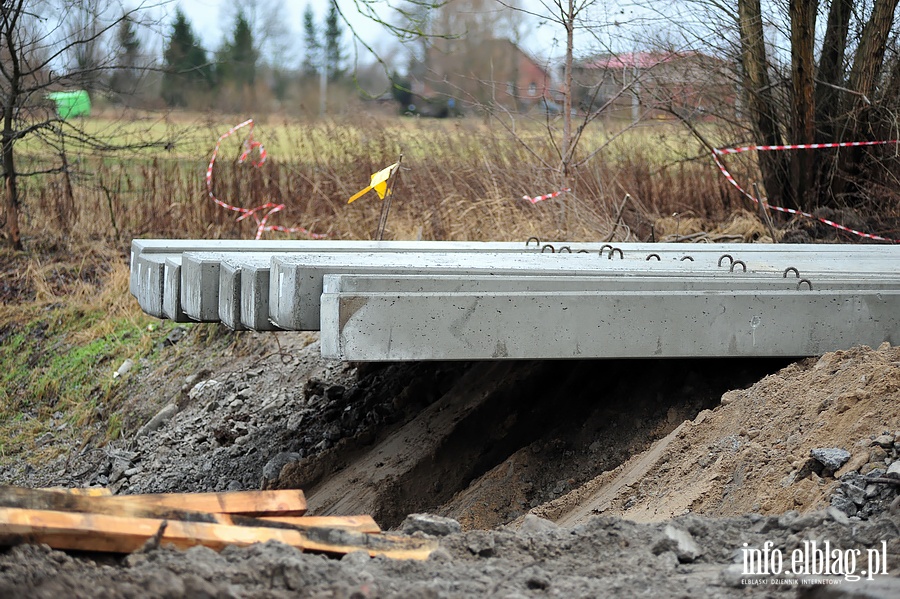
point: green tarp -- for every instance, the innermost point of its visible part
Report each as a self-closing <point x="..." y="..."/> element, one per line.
<point x="71" y="103"/>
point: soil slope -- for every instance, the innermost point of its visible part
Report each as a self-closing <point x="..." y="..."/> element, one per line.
<point x="752" y="453"/>
<point x="539" y="461"/>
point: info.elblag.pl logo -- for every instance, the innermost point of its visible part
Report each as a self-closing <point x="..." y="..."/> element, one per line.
<point x="815" y="559"/>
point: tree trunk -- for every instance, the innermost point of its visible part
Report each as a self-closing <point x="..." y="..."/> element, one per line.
<point x="831" y="69"/>
<point x="829" y="98"/>
<point x="11" y="14"/>
<point x="862" y="81"/>
<point x="891" y="95"/>
<point x="568" y="145"/>
<point x="12" y="190"/>
<point x="870" y="54"/>
<point x="803" y="104"/>
<point x="761" y="101"/>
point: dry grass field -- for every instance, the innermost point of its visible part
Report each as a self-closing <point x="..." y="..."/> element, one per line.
<point x="461" y="179"/>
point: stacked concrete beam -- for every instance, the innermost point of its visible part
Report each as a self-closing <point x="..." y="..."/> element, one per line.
<point x="296" y="281"/>
<point x="156" y="263"/>
<point x="402" y="326"/>
<point x="445" y="300"/>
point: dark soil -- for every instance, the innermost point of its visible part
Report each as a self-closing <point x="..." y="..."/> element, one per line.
<point x="489" y="444"/>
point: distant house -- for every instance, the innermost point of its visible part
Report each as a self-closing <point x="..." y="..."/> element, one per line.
<point x="654" y="84"/>
<point x="491" y="72"/>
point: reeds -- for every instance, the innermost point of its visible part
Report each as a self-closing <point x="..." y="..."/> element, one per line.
<point x="462" y="179"/>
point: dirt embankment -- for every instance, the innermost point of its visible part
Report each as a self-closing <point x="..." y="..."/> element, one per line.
<point x="752" y="454"/>
<point x="505" y="437"/>
<point x="486" y="443"/>
<point x="493" y="445"/>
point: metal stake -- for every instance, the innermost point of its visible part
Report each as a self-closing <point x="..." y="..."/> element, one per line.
<point x="386" y="205"/>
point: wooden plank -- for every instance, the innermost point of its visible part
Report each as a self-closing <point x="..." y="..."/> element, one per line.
<point x="87" y="491"/>
<point x="289" y="502"/>
<point x="100" y="532"/>
<point x="173" y="506"/>
<point x="63" y="501"/>
<point x="361" y="523"/>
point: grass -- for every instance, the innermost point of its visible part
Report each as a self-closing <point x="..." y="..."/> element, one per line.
<point x="462" y="179"/>
<point x="60" y="350"/>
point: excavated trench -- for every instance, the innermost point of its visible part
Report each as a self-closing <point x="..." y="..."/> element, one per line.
<point x="484" y="442"/>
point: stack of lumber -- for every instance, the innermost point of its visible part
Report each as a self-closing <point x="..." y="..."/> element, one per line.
<point x="94" y="520"/>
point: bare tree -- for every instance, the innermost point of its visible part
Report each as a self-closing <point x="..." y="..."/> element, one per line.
<point x="811" y="72"/>
<point x="408" y="21"/>
<point x="83" y="23"/>
<point x="47" y="46"/>
<point x="569" y="17"/>
<point x="462" y="59"/>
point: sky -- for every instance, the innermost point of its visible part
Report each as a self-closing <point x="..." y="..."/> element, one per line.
<point x="212" y="19"/>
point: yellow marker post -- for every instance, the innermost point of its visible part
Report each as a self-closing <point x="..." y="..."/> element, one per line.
<point x="379" y="183"/>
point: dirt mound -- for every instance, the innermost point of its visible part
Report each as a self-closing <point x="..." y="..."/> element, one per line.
<point x="508" y="436"/>
<point x="752" y="454"/>
<point x="487" y="442"/>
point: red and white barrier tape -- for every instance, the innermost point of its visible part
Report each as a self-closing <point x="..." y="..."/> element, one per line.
<point x="843" y="144"/>
<point x="270" y="207"/>
<point x="719" y="152"/>
<point x="547" y="196"/>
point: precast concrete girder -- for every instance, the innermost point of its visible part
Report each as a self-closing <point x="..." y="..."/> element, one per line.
<point x="296" y="280"/>
<point x="624" y="324"/>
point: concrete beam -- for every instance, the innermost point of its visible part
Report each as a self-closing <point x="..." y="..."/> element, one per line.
<point x="147" y="285"/>
<point x="636" y="251"/>
<point x="525" y="325"/>
<point x="200" y="285"/>
<point x="172" y="291"/>
<point x="296" y="280"/>
<point x="244" y="293"/>
<point x="154" y="254"/>
<point x="255" y="298"/>
<point x="162" y="249"/>
<point x="483" y="283"/>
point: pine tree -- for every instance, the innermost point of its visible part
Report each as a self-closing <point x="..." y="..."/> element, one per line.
<point x="238" y="56"/>
<point x="312" y="60"/>
<point x="123" y="82"/>
<point x="334" y="49"/>
<point x="185" y="62"/>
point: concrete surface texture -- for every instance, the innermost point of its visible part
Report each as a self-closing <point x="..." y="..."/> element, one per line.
<point x="378" y="301"/>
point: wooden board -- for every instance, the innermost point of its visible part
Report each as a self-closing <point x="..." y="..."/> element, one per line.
<point x="361" y="523"/>
<point x="87" y="492"/>
<point x="117" y="534"/>
<point x="174" y="506"/>
<point x="290" y="502"/>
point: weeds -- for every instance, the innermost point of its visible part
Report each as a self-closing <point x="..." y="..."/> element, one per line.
<point x="59" y="351"/>
<point x="462" y="179"/>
